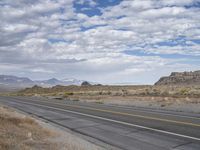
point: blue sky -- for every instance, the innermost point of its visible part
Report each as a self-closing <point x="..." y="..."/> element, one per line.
<point x="106" y="41"/>
<point x="93" y="8"/>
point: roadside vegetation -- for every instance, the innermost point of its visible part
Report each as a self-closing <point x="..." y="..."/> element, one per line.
<point x="170" y="97"/>
<point x="140" y="90"/>
<point x="20" y="132"/>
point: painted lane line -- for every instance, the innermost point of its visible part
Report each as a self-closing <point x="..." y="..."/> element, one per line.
<point x="127" y="114"/>
<point x="138" y="116"/>
<point x="164" y="113"/>
<point x="119" y="122"/>
<point x="152" y="112"/>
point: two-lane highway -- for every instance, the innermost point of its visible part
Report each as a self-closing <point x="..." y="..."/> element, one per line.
<point x="120" y="127"/>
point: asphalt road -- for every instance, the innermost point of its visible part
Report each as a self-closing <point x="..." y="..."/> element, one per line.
<point x="118" y="127"/>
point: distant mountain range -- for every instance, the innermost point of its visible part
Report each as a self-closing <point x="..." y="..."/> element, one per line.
<point x="14" y="81"/>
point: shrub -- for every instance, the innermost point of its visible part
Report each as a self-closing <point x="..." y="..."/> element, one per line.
<point x="66" y="94"/>
<point x="184" y="91"/>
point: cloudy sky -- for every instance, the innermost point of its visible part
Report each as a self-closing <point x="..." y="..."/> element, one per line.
<point x="107" y="41"/>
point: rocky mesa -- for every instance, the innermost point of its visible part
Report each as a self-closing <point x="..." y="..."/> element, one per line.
<point x="181" y="78"/>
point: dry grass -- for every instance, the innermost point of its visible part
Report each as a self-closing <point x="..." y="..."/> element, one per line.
<point x="23" y="133"/>
<point x="116" y="92"/>
<point x="19" y="132"/>
<point x="140" y="95"/>
<point x="143" y="90"/>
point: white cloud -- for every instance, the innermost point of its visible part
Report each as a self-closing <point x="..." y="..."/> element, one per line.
<point x="41" y="70"/>
<point x="178" y="3"/>
<point x="52" y="35"/>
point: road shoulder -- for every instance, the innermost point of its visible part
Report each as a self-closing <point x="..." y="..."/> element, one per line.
<point x="19" y="130"/>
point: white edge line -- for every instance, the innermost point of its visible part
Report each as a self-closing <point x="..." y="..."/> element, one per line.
<point x="120" y="122"/>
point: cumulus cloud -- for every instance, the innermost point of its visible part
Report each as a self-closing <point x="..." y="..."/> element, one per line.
<point x="46" y="38"/>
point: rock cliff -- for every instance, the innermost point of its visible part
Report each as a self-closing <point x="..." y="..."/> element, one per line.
<point x="181" y="78"/>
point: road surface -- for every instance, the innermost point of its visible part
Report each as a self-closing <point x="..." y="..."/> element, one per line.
<point x="118" y="127"/>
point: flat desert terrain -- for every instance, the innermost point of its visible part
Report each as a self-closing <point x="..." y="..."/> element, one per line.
<point x="178" y="98"/>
